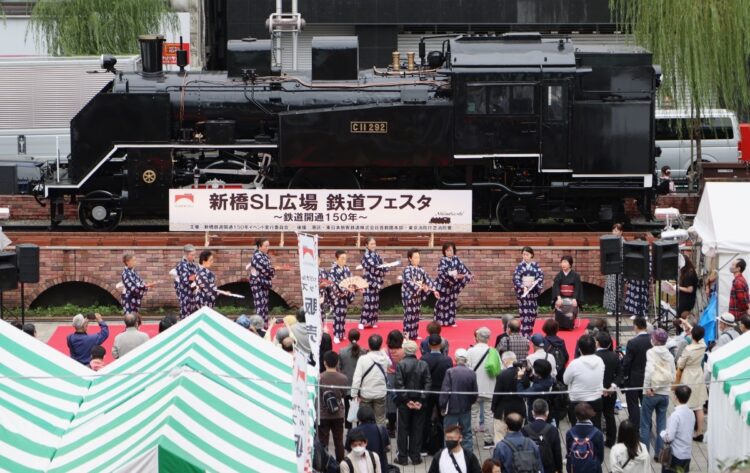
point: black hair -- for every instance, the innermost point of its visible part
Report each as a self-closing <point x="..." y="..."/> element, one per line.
<point x="528" y="249"/>
<point x="617" y="226"/>
<point x="550" y="327"/>
<point x="204" y="256"/>
<point x="542" y="368"/>
<point x="514" y="422"/>
<point x="540" y="406"/>
<point x="29" y="329"/>
<point x="369" y="239"/>
<point x="375" y="342"/>
<point x="339" y="253"/>
<point x="301" y="316"/>
<point x="567" y="258"/>
<point x="682" y="393"/>
<point x="395" y="339"/>
<point x="365" y="415"/>
<point x="449" y="244"/>
<point x="664" y="169"/>
<point x="331" y="359"/>
<point x="167" y="322"/>
<point x="353" y="337"/>
<point x="604" y="339"/>
<point x="356" y="435"/>
<point x="741" y="264"/>
<point x="98" y="352"/>
<point x="640" y="322"/>
<point x="259" y="242"/>
<point x="587" y="345"/>
<point x="628" y="435"/>
<point x="584" y="411"/>
<point x="411" y="252"/>
<point x="687" y="270"/>
<point x="745" y="321"/>
<point x="697" y="333"/>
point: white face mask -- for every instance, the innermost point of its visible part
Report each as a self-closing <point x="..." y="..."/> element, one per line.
<point x="359" y="450"/>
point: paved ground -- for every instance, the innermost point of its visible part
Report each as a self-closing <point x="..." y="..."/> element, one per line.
<point x="700" y="454"/>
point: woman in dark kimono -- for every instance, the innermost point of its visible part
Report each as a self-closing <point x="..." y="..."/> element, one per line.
<point x="184" y="283"/>
<point x="341" y="296"/>
<point x="528" y="280"/>
<point x="206" y="280"/>
<point x="452" y="277"/>
<point x="416" y="285"/>
<point x="567" y="294"/>
<point x="373" y="274"/>
<point x="260" y="276"/>
<point x="610" y="285"/>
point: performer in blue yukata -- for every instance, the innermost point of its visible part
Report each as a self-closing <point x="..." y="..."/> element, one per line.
<point x="324" y="292"/>
<point x="341" y="296"/>
<point x="528" y="280"/>
<point x="134" y="288"/>
<point x="452" y="277"/>
<point x="206" y="280"/>
<point x="184" y="284"/>
<point x="416" y="285"/>
<point x="260" y="277"/>
<point x="374" y="275"/>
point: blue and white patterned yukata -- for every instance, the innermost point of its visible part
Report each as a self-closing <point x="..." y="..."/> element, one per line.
<point x="260" y="277"/>
<point x="134" y="290"/>
<point x="449" y="288"/>
<point x="326" y="300"/>
<point x="374" y="277"/>
<point x="412" y="297"/>
<point x="185" y="288"/>
<point x="636" y="298"/>
<point x="527" y="306"/>
<point x="341" y="298"/>
<point x="207" y="290"/>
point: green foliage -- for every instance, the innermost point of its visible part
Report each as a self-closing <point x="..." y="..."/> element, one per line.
<point x="702" y="47"/>
<point x="92" y="27"/>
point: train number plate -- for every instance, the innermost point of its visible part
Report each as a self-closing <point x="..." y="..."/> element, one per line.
<point x="368" y="127"/>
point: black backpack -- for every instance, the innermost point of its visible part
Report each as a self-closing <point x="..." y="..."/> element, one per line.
<point x="523" y="460"/>
<point x="331" y="402"/>
<point x="558" y="403"/>
<point x="545" y="449"/>
<point x="559" y="356"/>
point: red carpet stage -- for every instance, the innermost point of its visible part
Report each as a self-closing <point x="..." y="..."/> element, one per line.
<point x="461" y="336"/>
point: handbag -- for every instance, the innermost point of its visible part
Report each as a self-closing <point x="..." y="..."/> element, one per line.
<point x="665" y="456"/>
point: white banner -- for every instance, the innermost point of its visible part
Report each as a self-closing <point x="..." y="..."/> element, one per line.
<point x="307" y="246"/>
<point x="300" y="412"/>
<point x="320" y="210"/>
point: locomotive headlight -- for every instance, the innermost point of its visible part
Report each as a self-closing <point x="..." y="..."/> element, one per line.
<point x="108" y="62"/>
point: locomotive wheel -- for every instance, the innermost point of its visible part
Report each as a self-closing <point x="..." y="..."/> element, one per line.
<point x="98" y="211"/>
<point x="504" y="213"/>
<point x="324" y="178"/>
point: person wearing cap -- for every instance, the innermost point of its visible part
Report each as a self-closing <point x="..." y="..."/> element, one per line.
<point x="540" y="353"/>
<point x="479" y="355"/>
<point x="457" y="407"/>
<point x="439" y="363"/>
<point x="727" y="330"/>
<point x="260" y="276"/>
<point x="412" y="375"/>
<point x="657" y="384"/>
<point x="80" y="342"/>
<point x="184" y="284"/>
<point x="738" y="298"/>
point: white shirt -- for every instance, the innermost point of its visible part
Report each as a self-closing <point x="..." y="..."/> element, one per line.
<point x="446" y="464"/>
<point x="584" y="377"/>
<point x="540" y="354"/>
<point x="485" y="383"/>
<point x="680" y="431"/>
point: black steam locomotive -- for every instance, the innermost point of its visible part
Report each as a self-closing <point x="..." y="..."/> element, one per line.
<point x="537" y="127"/>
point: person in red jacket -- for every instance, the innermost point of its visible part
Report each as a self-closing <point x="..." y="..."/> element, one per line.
<point x="738" y="293"/>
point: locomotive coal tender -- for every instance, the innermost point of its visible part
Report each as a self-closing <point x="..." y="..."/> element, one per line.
<point x="536" y="127"/>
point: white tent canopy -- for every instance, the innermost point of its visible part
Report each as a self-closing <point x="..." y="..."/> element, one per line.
<point x="724" y="227"/>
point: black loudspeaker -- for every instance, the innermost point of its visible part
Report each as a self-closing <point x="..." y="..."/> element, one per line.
<point x="666" y="255"/>
<point x="8" y="277"/>
<point x="610" y="254"/>
<point x="635" y="260"/>
<point x="27" y="261"/>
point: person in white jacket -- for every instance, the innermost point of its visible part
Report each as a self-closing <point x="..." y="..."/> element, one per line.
<point x="657" y="384"/>
<point x="369" y="384"/>
<point x="480" y="411"/>
<point x="584" y="377"/>
<point x="629" y="455"/>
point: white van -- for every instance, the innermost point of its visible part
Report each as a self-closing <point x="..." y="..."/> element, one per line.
<point x="720" y="136"/>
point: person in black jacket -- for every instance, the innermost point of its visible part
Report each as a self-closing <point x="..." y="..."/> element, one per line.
<point x="549" y="447"/>
<point x="611" y="375"/>
<point x="504" y="404"/>
<point x="439" y="363"/>
<point x="454" y="455"/>
<point x="634" y="368"/>
<point x="411" y="374"/>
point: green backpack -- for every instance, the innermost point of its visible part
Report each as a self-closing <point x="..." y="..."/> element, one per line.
<point x="492" y="365"/>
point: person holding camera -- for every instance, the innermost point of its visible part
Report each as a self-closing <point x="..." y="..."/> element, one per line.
<point x="536" y="378"/>
<point x="80" y="342"/>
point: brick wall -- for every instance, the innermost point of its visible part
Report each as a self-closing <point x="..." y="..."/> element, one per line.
<point x="25" y="207"/>
<point x="491" y="288"/>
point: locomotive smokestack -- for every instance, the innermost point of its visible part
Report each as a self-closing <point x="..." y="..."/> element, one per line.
<point x="151" y="52"/>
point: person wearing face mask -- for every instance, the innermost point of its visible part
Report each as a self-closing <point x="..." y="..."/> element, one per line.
<point x="360" y="460"/>
<point x="453" y="458"/>
<point x="528" y="280"/>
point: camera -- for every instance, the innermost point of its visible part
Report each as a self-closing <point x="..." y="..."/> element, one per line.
<point x="91" y="316"/>
<point x="519" y="364"/>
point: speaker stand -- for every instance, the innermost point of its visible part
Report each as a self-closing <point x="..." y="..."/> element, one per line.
<point x="23" y="305"/>
<point x="617" y="309"/>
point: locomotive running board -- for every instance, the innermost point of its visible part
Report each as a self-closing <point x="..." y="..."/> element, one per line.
<point x="114" y="149"/>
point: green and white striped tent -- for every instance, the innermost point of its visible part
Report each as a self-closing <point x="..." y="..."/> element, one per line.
<point x="40" y="391"/>
<point x="206" y="395"/>
<point x="729" y="403"/>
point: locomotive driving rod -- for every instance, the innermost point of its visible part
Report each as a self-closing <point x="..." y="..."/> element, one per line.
<point x="489" y="184"/>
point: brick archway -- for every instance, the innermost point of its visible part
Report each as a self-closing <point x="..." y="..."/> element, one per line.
<point x="91" y="286"/>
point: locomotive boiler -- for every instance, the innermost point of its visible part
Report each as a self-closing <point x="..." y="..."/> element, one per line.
<point x="536" y="127"/>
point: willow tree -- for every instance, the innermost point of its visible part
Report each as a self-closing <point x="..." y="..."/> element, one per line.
<point x="702" y="46"/>
<point x="92" y="27"/>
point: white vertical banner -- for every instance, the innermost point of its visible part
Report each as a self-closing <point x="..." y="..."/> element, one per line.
<point x="308" y="272"/>
<point x="301" y="413"/>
